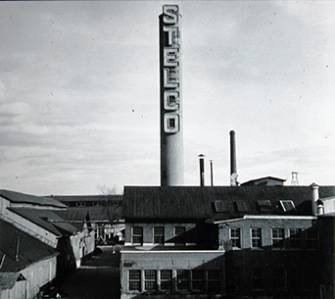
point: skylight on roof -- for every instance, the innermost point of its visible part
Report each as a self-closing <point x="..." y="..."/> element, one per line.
<point x="287" y="205"/>
<point x="220" y="206"/>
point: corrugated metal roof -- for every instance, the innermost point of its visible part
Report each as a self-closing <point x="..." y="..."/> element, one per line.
<point x="47" y="219"/>
<point x="18" y="197"/>
<point x="16" y="243"/>
<point x="199" y="202"/>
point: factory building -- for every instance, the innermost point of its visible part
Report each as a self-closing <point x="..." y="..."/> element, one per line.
<point x="231" y="242"/>
<point x="259" y="239"/>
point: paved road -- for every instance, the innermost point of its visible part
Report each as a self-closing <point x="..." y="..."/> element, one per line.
<point x="97" y="278"/>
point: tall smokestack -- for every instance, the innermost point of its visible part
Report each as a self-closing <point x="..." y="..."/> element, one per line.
<point x="202" y="169"/>
<point x="171" y="127"/>
<point x="233" y="168"/>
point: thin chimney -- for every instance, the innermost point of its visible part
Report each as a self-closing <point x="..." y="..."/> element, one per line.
<point x="233" y="167"/>
<point x="211" y="169"/>
<point x="315" y="197"/>
<point x="202" y="170"/>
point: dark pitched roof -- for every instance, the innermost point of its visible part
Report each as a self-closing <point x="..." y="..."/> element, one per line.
<point x="47" y="219"/>
<point x="200" y="203"/>
<point x="14" y="242"/>
<point x="82" y="198"/>
<point x="169" y="202"/>
<point x="18" y="197"/>
<point x="96" y="214"/>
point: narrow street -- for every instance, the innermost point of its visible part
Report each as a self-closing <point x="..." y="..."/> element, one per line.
<point x="97" y="278"/>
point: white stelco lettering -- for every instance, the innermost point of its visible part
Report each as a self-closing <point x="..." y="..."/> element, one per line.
<point x="170" y="14"/>
<point x="172" y="33"/>
<point x="170" y="78"/>
<point x="171" y="100"/>
<point x="170" y="66"/>
<point x="170" y="57"/>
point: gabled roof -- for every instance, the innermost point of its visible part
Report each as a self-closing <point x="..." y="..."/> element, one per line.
<point x="18" y="249"/>
<point x="82" y="198"/>
<point x="198" y="203"/>
<point x="47" y="219"/>
<point x="18" y="197"/>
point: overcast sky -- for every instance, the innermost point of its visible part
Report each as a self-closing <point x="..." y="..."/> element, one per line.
<point x="79" y="92"/>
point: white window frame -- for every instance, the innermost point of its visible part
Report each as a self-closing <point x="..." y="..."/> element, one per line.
<point x="165" y="280"/>
<point x="153" y="232"/>
<point x="140" y="281"/>
<point x="256" y="238"/>
<point x="132" y="235"/>
<point x="235" y="238"/>
<point x="155" y="280"/>
<point x="280" y="239"/>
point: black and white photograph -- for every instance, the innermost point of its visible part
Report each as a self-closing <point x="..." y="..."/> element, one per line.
<point x="167" y="149"/>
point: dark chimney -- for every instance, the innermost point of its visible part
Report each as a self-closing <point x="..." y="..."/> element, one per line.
<point x="202" y="169"/>
<point x="233" y="170"/>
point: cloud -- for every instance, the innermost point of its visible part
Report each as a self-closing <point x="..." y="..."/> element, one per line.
<point x="79" y="91"/>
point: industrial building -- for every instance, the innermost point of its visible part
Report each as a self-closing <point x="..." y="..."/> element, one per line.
<point x="233" y="242"/>
<point x="258" y="239"/>
<point x="37" y="245"/>
<point x="104" y="213"/>
<point x="26" y="263"/>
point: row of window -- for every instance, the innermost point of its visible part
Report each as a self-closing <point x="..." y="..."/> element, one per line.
<point x="297" y="238"/>
<point x="174" y="280"/>
<point x="158" y="234"/>
<point x="279" y="278"/>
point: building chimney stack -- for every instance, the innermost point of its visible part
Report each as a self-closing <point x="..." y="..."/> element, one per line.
<point x="315" y="197"/>
<point x="202" y="170"/>
<point x="233" y="168"/>
<point x="211" y="169"/>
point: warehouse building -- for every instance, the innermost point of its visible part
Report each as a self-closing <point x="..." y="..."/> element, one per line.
<point x="37" y="222"/>
<point x="26" y="264"/>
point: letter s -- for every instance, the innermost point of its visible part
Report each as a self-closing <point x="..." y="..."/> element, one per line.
<point x="170" y="14"/>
